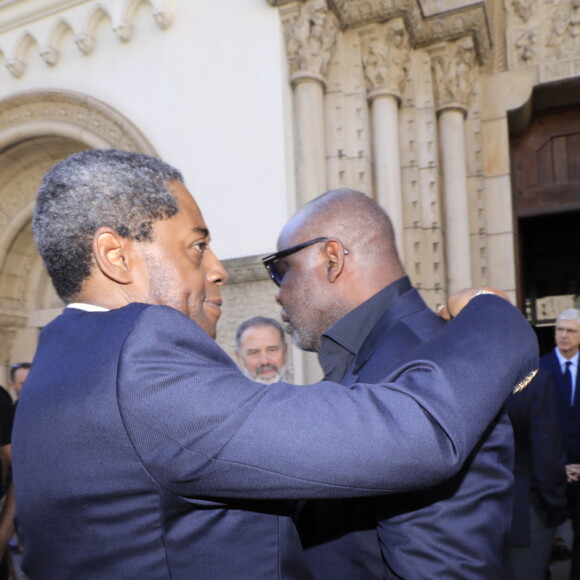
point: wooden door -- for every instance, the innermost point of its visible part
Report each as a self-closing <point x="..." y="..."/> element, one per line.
<point x="545" y="164"/>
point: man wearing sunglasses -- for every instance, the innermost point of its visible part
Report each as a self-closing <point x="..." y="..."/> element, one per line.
<point x="140" y="449"/>
<point x="345" y="295"/>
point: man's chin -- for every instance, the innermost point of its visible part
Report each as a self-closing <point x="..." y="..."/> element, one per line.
<point x="268" y="378"/>
<point x="302" y="345"/>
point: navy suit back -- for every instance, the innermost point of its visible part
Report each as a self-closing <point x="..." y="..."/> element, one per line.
<point x="86" y="467"/>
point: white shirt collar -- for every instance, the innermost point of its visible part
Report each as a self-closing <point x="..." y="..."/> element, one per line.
<point x="562" y="360"/>
<point x="87" y="307"/>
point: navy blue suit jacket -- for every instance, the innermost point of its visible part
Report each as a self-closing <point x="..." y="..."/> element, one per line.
<point x="140" y="451"/>
<point x="540" y="473"/>
<point x="457" y="529"/>
<point x="569" y="416"/>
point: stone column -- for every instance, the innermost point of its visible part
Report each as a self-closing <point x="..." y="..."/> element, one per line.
<point x="454" y="69"/>
<point x="310" y="38"/>
<point x="310" y="33"/>
<point x="386" y="64"/>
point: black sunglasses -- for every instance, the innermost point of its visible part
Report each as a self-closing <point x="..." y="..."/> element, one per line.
<point x="271" y="261"/>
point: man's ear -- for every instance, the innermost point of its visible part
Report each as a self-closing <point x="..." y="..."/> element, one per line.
<point x="111" y="252"/>
<point x="335" y="254"/>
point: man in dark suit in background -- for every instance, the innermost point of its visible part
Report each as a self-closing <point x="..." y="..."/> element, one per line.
<point x="540" y="478"/>
<point x="140" y="449"/>
<point x="562" y="362"/>
<point x="349" y="300"/>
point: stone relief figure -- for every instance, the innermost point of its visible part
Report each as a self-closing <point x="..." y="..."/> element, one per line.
<point x="454" y="72"/>
<point x="386" y="59"/>
<point x="311" y="38"/>
<point x="524" y="8"/>
<point x="525" y="45"/>
<point x="375" y="58"/>
<point x="564" y="36"/>
<point x="360" y="11"/>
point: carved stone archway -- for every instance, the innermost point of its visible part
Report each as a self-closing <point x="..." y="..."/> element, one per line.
<point x="38" y="129"/>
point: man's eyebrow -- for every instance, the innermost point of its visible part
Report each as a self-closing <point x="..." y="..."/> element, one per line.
<point x="199" y="230"/>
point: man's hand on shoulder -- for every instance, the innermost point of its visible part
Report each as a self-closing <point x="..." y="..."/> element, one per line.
<point x="460" y="299"/>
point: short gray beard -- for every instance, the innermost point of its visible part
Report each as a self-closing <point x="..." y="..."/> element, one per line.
<point x="279" y="376"/>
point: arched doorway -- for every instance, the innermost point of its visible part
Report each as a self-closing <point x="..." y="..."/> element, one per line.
<point x="36" y="131"/>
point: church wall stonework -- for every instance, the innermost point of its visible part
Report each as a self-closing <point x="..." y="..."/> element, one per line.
<point x="482" y="58"/>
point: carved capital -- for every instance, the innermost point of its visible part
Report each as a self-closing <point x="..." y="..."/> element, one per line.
<point x="386" y="56"/>
<point x="454" y="68"/>
<point x="310" y="37"/>
<point x="438" y="24"/>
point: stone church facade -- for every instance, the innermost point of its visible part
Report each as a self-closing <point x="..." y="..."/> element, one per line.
<point x="461" y="117"/>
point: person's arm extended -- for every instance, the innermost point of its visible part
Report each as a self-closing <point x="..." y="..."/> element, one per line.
<point x="202" y="429"/>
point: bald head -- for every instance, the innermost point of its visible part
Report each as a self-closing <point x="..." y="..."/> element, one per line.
<point x="358" y="222"/>
<point x="324" y="281"/>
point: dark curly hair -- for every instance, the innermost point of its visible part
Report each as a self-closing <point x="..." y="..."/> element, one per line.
<point x="105" y="187"/>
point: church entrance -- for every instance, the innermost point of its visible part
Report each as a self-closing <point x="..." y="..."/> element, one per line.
<point x="545" y="164"/>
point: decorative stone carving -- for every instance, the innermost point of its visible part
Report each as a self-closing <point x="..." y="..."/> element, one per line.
<point x="526" y="45"/>
<point x="124" y="32"/>
<point x="454" y="71"/>
<point x="78" y="111"/>
<point x="85" y="38"/>
<point x="164" y="18"/>
<point x="310" y="39"/>
<point x="550" y="38"/>
<point x="564" y="36"/>
<point x="50" y="55"/>
<point x="85" y="43"/>
<point x="524" y="8"/>
<point x="386" y="57"/>
<point x="16" y="67"/>
<point x="470" y="19"/>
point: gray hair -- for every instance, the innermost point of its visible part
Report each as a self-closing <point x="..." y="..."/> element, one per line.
<point x="569" y="314"/>
<point x="106" y="187"/>
<point x="258" y="322"/>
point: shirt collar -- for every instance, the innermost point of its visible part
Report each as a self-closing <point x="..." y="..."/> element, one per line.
<point x="350" y="332"/>
<point x="563" y="360"/>
<point x="87" y="307"/>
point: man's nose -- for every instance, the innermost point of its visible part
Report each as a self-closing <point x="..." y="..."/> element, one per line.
<point x="216" y="273"/>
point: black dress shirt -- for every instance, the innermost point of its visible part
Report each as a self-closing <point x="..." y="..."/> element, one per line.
<point x="341" y="343"/>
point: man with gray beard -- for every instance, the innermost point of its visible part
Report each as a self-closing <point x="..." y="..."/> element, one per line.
<point x="261" y="349"/>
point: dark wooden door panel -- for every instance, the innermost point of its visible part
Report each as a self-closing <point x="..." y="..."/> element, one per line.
<point x="545" y="164"/>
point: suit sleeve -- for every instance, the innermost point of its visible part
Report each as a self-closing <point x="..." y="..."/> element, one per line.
<point x="202" y="429"/>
